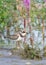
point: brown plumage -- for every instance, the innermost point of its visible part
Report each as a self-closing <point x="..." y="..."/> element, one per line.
<point x="13" y="37"/>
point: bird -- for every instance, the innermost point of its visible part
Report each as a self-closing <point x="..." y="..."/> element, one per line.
<point x="18" y="36"/>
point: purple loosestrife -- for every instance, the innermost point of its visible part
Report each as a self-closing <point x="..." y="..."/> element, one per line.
<point x="27" y="3"/>
<point x="44" y="0"/>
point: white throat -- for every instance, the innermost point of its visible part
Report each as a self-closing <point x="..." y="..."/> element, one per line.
<point x="19" y="38"/>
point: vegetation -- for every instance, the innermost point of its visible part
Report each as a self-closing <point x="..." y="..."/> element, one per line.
<point x="12" y="12"/>
<point x="31" y="53"/>
<point x="44" y="51"/>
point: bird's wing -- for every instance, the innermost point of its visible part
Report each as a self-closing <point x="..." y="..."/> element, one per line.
<point x="13" y="37"/>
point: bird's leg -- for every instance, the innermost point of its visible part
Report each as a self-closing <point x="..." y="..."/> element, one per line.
<point x="18" y="44"/>
<point x="24" y="39"/>
<point x="21" y="44"/>
<point x="31" y="41"/>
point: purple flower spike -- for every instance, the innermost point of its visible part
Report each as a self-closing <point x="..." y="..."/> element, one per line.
<point x="44" y="0"/>
<point x="27" y="3"/>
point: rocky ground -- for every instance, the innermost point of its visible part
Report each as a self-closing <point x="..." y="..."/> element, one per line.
<point x="6" y="58"/>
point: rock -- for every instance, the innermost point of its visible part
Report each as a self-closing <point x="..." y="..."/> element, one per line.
<point x="28" y="63"/>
